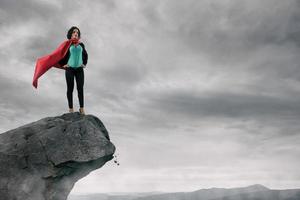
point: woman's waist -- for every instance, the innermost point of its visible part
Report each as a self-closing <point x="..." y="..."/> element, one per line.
<point x="75" y="64"/>
<point x="76" y="67"/>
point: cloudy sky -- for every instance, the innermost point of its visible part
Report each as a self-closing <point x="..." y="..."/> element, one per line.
<point x="195" y="94"/>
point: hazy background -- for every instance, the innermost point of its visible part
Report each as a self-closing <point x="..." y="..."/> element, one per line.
<point x="195" y="94"/>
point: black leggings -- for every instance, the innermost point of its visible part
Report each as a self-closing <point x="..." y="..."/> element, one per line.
<point x="79" y="76"/>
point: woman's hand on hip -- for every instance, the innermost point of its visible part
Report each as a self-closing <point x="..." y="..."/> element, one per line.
<point x="65" y="66"/>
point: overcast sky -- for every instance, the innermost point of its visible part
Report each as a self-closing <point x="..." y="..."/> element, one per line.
<point x="195" y="94"/>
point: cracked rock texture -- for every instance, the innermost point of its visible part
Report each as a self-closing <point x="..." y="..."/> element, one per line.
<point x="44" y="159"/>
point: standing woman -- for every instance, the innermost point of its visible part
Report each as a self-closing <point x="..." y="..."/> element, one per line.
<point x="74" y="61"/>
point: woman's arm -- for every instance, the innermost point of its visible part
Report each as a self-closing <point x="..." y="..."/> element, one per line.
<point x="64" y="61"/>
<point x="84" y="54"/>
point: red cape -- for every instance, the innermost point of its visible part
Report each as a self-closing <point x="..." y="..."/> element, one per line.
<point x="44" y="63"/>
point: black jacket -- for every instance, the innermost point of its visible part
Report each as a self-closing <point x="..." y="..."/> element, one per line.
<point x="84" y="56"/>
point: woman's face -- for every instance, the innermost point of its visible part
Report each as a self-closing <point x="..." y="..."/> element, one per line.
<point x="75" y="34"/>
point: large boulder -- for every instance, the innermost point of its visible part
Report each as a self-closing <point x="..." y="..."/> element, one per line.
<point x="44" y="159"/>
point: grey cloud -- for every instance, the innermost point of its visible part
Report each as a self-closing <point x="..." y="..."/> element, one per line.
<point x="151" y="12"/>
<point x="172" y="107"/>
<point x="19" y="95"/>
<point x="109" y="5"/>
<point x="228" y="32"/>
<point x="14" y="11"/>
<point x="124" y="75"/>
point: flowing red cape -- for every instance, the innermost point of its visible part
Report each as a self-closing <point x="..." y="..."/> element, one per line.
<point x="44" y="63"/>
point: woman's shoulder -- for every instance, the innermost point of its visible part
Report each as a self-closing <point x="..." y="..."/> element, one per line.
<point x="83" y="47"/>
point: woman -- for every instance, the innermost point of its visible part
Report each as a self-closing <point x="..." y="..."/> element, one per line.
<point x="74" y="61"/>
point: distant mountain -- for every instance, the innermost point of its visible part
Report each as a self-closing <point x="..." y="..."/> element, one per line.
<point x="112" y="196"/>
<point x="88" y="197"/>
<point x="265" y="195"/>
<point x="205" y="194"/>
<point x="253" y="192"/>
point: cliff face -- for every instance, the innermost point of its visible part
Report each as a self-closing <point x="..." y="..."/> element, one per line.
<point x="44" y="159"/>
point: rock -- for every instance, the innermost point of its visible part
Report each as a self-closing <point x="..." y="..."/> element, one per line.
<point x="44" y="159"/>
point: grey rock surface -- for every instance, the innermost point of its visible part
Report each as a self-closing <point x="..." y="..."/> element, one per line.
<point x="43" y="160"/>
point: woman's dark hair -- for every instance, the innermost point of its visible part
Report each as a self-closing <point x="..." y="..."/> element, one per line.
<point x="70" y="31"/>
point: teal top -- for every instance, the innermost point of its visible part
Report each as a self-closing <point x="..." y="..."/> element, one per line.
<point x="75" y="59"/>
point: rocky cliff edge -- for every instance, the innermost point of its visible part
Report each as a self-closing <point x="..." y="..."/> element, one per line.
<point x="43" y="160"/>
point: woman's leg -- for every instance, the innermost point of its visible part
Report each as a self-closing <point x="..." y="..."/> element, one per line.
<point x="70" y="85"/>
<point x="80" y="82"/>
